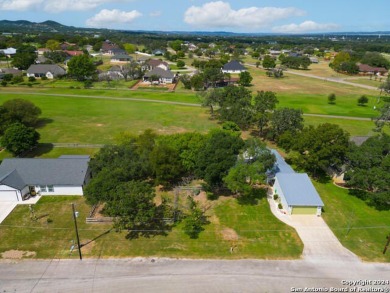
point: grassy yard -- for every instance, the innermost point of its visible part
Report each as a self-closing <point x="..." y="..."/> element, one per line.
<point x="97" y="121"/>
<point x="251" y="230"/>
<point x="360" y="228"/>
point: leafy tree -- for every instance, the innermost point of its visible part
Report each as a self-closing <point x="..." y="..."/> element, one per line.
<point x="305" y="62"/>
<point x="385" y="86"/>
<point x="363" y="100"/>
<point x="384" y="117"/>
<point x="131" y="70"/>
<point x="23" y="111"/>
<point x="264" y="104"/>
<point x="24" y="57"/>
<point x="129" y="48"/>
<point x="212" y="75"/>
<point x="340" y="58"/>
<point x="180" y="64"/>
<point x="211" y="98"/>
<point x="186" y="81"/>
<point x="268" y="62"/>
<point x="217" y="156"/>
<point x="320" y="149"/>
<point x="332" y="99"/>
<point x="286" y="119"/>
<point x="194" y="221"/>
<point x="349" y="67"/>
<point x="236" y="106"/>
<point x="133" y="208"/>
<point x="19" y="138"/>
<point x="176" y="45"/>
<point x="166" y="165"/>
<point x="369" y="169"/>
<point x="197" y="82"/>
<point x="245" y="78"/>
<point x="375" y="59"/>
<point x="81" y="67"/>
<point x="53" y="45"/>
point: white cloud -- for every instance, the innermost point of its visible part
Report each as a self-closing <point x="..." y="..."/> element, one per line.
<point x="220" y="14"/>
<point x="54" y="6"/>
<point x="306" y="26"/>
<point x="19" y="5"/>
<point x="108" y="18"/>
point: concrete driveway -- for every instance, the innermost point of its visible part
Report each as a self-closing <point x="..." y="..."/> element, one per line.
<point x="319" y="241"/>
<point x="320" y="244"/>
<point x="5" y="209"/>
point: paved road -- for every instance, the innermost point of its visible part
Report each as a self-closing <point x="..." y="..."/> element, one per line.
<point x="168" y="275"/>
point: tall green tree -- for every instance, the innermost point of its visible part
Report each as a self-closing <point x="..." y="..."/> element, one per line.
<point x="19" y="138"/>
<point x="23" y="111"/>
<point x="245" y="78"/>
<point x="24" y="57"/>
<point x="268" y="62"/>
<point x="264" y="105"/>
<point x="286" y="119"/>
<point x="81" y="67"/>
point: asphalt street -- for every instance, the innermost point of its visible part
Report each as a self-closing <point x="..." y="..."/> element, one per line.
<point x="170" y="275"/>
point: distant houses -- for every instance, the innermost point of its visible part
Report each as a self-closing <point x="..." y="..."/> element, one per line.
<point x="365" y="69"/>
<point x="159" y="75"/>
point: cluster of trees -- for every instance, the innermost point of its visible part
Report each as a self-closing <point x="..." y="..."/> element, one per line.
<point x="369" y="171"/>
<point x="295" y="62"/>
<point x="346" y="61"/>
<point x="18" y="118"/>
<point x="237" y="104"/>
<point x="124" y="174"/>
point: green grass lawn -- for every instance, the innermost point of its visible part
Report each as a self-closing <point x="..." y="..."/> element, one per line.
<point x="260" y="235"/>
<point x="97" y="121"/>
<point x="360" y="228"/>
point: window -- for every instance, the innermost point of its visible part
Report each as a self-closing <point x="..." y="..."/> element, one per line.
<point x="42" y="188"/>
<point x="50" y="188"/>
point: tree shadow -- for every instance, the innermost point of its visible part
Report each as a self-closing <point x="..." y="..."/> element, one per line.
<point x="149" y="230"/>
<point x="253" y="197"/>
<point x="96" y="238"/>
<point x="41" y="149"/>
<point x="42" y="122"/>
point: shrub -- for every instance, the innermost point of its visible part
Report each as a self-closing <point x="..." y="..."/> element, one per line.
<point x="29" y="84"/>
<point x="4" y="83"/>
<point x="49" y="220"/>
<point x="211" y="196"/>
<point x="17" y="79"/>
<point x="44" y="77"/>
<point x="332" y="99"/>
<point x="32" y="79"/>
<point x="362" y="100"/>
<point x="280" y="206"/>
<point x="276" y="196"/>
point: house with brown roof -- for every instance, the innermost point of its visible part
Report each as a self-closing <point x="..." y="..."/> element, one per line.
<point x="155" y="63"/>
<point x="365" y="69"/>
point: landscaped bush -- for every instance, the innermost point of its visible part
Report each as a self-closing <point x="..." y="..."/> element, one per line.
<point x="44" y="77"/>
<point x="4" y="83"/>
<point x="17" y="79"/>
<point x="212" y="196"/>
<point x="31" y="79"/>
<point x="276" y="196"/>
<point x="280" y="206"/>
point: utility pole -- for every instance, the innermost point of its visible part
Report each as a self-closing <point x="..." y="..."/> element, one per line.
<point x="77" y="231"/>
<point x="387" y="244"/>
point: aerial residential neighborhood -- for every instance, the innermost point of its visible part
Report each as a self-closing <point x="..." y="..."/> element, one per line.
<point x="209" y="147"/>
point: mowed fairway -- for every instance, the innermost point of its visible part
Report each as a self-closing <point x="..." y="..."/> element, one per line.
<point x="97" y="121"/>
<point x="251" y="230"/>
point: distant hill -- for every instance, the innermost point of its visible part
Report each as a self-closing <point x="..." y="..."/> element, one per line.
<point x="22" y="26"/>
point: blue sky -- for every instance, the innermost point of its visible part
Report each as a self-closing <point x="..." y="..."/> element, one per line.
<point x="285" y="16"/>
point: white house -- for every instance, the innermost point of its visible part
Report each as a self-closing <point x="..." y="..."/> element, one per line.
<point x="63" y="176"/>
<point x="296" y="192"/>
<point x="233" y="66"/>
<point x="49" y="70"/>
<point x="164" y="76"/>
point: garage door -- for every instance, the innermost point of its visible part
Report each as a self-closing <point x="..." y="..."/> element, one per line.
<point x="8" y="196"/>
<point x="304" y="210"/>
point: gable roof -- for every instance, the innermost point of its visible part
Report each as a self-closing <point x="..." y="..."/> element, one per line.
<point x="368" y="68"/>
<point x="66" y="170"/>
<point x="233" y="65"/>
<point x="45" y="68"/>
<point x="298" y="190"/>
<point x="121" y="56"/>
<point x="280" y="165"/>
<point x="160" y="72"/>
<point x="156" y="62"/>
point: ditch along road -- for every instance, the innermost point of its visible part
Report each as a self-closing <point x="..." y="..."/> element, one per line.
<point x="163" y="102"/>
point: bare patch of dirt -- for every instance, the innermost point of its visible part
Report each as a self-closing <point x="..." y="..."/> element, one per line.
<point x="229" y="234"/>
<point x="87" y="247"/>
<point x="18" y="254"/>
<point x="201" y="198"/>
<point x="214" y="219"/>
<point x="99" y="125"/>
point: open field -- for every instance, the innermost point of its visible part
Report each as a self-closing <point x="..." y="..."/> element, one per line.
<point x="360" y="228"/>
<point x="367" y="81"/>
<point x="252" y="230"/>
<point x="321" y="69"/>
<point x="97" y="121"/>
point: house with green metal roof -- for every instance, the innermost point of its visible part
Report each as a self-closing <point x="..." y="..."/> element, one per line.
<point x="20" y="177"/>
